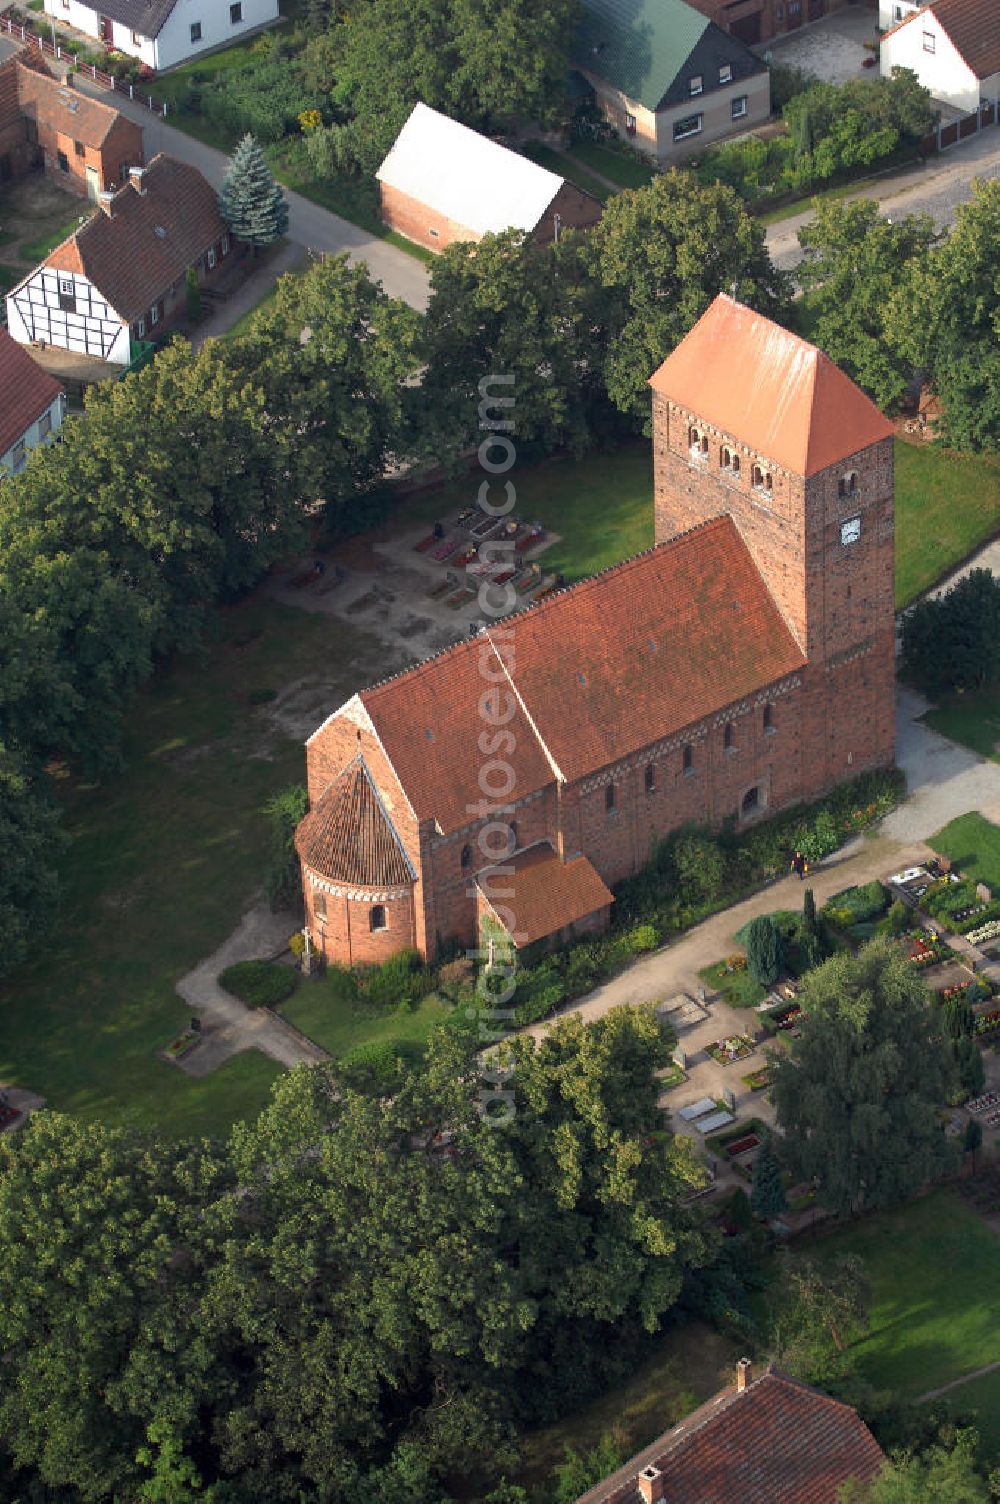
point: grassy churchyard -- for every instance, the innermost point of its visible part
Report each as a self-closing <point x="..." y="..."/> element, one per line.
<point x="166" y="856"/>
<point x="973" y="844"/>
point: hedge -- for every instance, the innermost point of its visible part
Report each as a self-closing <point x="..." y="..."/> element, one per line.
<point x="260" y="984"/>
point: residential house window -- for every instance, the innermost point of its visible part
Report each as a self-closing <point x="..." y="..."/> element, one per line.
<point x="65" y="4"/>
<point x="728" y="741"/>
<point x="319" y="905"/>
<point x="67" y="295"/>
<point x="79" y="148"/>
<point x="696" y="85"/>
<point x="738" y="107"/>
<point x="650" y="778"/>
<point x="63" y="161"/>
<point x="44" y="426"/>
<point x="17" y="456"/>
<point x="687" y="761"/>
<point x="235" y="14"/>
<point x="690" y="126"/>
<point x="376" y="919"/>
<point x="768" y="720"/>
<point x="225" y="245"/>
<point x="930" y="42"/>
<point x="794" y="8"/>
<point x="211" y="257"/>
<point x="136" y="39"/>
<point x="140" y="329"/>
<point x="726" y="73"/>
<point x="609" y="798"/>
<point x="154" y="314"/>
<point x="630" y="123"/>
<point x="196" y="31"/>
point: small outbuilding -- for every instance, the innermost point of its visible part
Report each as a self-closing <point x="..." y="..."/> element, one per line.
<point x="443" y="182"/>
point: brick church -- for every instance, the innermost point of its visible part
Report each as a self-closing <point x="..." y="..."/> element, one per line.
<point x="743" y="664"/>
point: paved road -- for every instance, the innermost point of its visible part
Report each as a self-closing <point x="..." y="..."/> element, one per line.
<point x="935" y="189"/>
<point x="309" y="225"/>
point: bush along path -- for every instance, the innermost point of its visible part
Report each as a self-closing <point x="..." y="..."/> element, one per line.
<point x="229" y="1026"/>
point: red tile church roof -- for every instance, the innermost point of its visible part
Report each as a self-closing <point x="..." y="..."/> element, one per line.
<point x="781" y="396"/>
<point x="348" y="837"/>
<point x="593" y="674"/>
<point x="543" y="893"/>
<point x="778" y="1441"/>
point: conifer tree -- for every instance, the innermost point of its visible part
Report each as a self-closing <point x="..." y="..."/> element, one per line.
<point x="810" y="938"/>
<point x="767" y="1194"/>
<point x="251" y="202"/>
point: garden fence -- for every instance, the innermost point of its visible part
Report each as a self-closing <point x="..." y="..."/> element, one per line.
<point x="66" y="54"/>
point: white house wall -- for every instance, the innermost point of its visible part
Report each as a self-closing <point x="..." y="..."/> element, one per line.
<point x="891" y="12"/>
<point x="173" y="45"/>
<point x="33" y="436"/>
<point x="92" y="327"/>
<point x="944" y="71"/>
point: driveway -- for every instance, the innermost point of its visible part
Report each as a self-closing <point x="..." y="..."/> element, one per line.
<point x="832" y="50"/>
<point x="309" y="225"/>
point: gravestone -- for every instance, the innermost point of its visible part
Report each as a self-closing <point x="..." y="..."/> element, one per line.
<point x="729" y="1098"/>
<point x="679" y="1058"/>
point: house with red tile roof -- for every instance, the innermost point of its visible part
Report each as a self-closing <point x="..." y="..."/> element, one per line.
<point x="742" y="665"/>
<point x="32" y="404"/>
<point x="82" y="143"/>
<point x="769" y="1440"/>
<point x="122" y="276"/>
<point x="953" y="46"/>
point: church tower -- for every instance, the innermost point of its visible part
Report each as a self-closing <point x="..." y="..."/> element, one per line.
<point x="752" y="422"/>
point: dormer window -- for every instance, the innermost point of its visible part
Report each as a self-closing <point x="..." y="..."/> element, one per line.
<point x="761" y="480"/>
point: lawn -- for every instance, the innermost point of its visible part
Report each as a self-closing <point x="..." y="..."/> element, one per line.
<point x="37" y="250"/>
<point x="972" y="718"/>
<point x="320" y="1011"/>
<point x="685" y="1366"/>
<point x="164" y="859"/>
<point x="947" y="504"/>
<point x="983" y="1397"/>
<point x="936" y="1310"/>
<point x="973" y="844"/>
<point x="559" y="162"/>
<point x="627" y="169"/>
<point x="601" y="507"/>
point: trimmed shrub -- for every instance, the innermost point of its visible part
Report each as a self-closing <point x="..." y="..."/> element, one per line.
<point x="259" y="984"/>
<point x="764" y="950"/>
<point x="457" y="978"/>
<point x="699" y="866"/>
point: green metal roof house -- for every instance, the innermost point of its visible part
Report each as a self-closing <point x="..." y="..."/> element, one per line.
<point x="667" y="78"/>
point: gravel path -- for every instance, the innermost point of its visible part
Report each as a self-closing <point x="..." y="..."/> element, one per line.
<point x="228" y="1026"/>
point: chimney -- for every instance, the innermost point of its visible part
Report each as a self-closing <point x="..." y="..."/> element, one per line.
<point x="651" y="1485"/>
<point x="744" y="1374"/>
<point x="135" y="177"/>
<point x="106" y="200"/>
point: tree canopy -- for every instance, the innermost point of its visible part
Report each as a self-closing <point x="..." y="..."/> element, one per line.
<point x="357" y="1297"/>
<point x="657" y="258"/>
<point x="952" y="641"/>
<point x="858" y="1096"/>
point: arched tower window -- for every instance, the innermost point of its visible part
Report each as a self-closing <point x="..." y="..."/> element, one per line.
<point x="727" y="737"/>
<point x="761" y="479"/>
<point x="319" y="905"/>
<point x="848" y="484"/>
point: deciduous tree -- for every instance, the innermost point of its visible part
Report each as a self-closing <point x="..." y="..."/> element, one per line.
<point x="767" y="1192"/>
<point x="858" y="1097"/>
<point x="657" y="258"/>
<point x="29" y="843"/>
